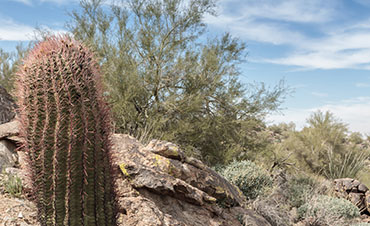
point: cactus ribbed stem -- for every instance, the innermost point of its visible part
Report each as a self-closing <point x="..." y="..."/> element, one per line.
<point x="66" y="127"/>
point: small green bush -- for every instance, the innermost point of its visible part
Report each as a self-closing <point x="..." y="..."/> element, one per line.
<point x="300" y="189"/>
<point x="13" y="185"/>
<point x="327" y="210"/>
<point x="251" y="179"/>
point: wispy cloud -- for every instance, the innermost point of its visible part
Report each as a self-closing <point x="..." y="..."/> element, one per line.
<point x="27" y="2"/>
<point x="60" y="2"/>
<point x="13" y="31"/>
<point x="283" y="10"/>
<point x="319" y="94"/>
<point x="363" y="2"/>
<point x="292" y="23"/>
<point x="354" y="112"/>
<point x="268" y="32"/>
<point x="33" y="2"/>
<point x="362" y="85"/>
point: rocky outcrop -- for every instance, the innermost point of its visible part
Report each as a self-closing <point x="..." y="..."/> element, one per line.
<point x="160" y="186"/>
<point x="354" y="191"/>
<point x="157" y="186"/>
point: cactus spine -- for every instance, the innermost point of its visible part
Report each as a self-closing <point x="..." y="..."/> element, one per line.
<point x="66" y="127"/>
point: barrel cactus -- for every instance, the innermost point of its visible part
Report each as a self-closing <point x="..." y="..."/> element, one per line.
<point x="65" y="125"/>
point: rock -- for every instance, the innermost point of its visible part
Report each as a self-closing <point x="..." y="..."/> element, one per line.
<point x="357" y="199"/>
<point x="8" y="155"/>
<point x="251" y="218"/>
<point x="354" y="191"/>
<point x="7" y="106"/>
<point x="159" y="186"/>
<point x="362" y="188"/>
<point x="367" y="201"/>
<point x="10" y="131"/>
<point x="165" y="149"/>
<point x="13" y="171"/>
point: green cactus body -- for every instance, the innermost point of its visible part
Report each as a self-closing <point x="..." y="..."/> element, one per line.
<point x="66" y="127"/>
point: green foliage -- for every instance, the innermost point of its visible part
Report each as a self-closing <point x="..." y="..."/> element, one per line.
<point x="66" y="127"/>
<point x="324" y="148"/>
<point x="348" y="165"/>
<point x="251" y="179"/>
<point x="165" y="78"/>
<point x="8" y="66"/>
<point x="300" y="189"/>
<point x="12" y="185"/>
<point x="328" y="210"/>
<point x="355" y="138"/>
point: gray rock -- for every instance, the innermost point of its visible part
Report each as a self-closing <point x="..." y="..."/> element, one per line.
<point x="251" y="218"/>
<point x="8" y="155"/>
<point x="10" y="131"/>
<point x="362" y="188"/>
<point x="158" y="186"/>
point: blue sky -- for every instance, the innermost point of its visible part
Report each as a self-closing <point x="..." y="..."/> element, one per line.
<point x="321" y="48"/>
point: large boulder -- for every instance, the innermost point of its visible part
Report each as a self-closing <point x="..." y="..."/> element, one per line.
<point x="7" y="106"/>
<point x="158" y="185"/>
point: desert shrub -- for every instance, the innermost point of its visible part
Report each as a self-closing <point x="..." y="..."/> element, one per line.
<point x="348" y="165"/>
<point x="324" y="148"/>
<point x="326" y="210"/>
<point x="13" y="185"/>
<point x="300" y="189"/>
<point x="251" y="179"/>
<point x="274" y="212"/>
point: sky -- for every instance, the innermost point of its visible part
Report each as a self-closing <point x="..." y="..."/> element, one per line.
<point x="320" y="48"/>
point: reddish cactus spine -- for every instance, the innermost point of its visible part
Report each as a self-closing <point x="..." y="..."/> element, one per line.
<point x="66" y="127"/>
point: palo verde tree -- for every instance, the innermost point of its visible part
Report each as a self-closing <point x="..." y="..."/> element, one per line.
<point x="325" y="147"/>
<point x="166" y="78"/>
<point x="8" y="66"/>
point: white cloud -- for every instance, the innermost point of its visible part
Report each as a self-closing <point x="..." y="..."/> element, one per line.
<point x="354" y="112"/>
<point x="362" y="85"/>
<point x="27" y="2"/>
<point x="363" y="2"/>
<point x="319" y="94"/>
<point x="13" y="31"/>
<point x="301" y="11"/>
<point x="359" y="59"/>
<point x="60" y="2"/>
<point x="273" y="33"/>
<point x="275" y="22"/>
<point x="32" y="2"/>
